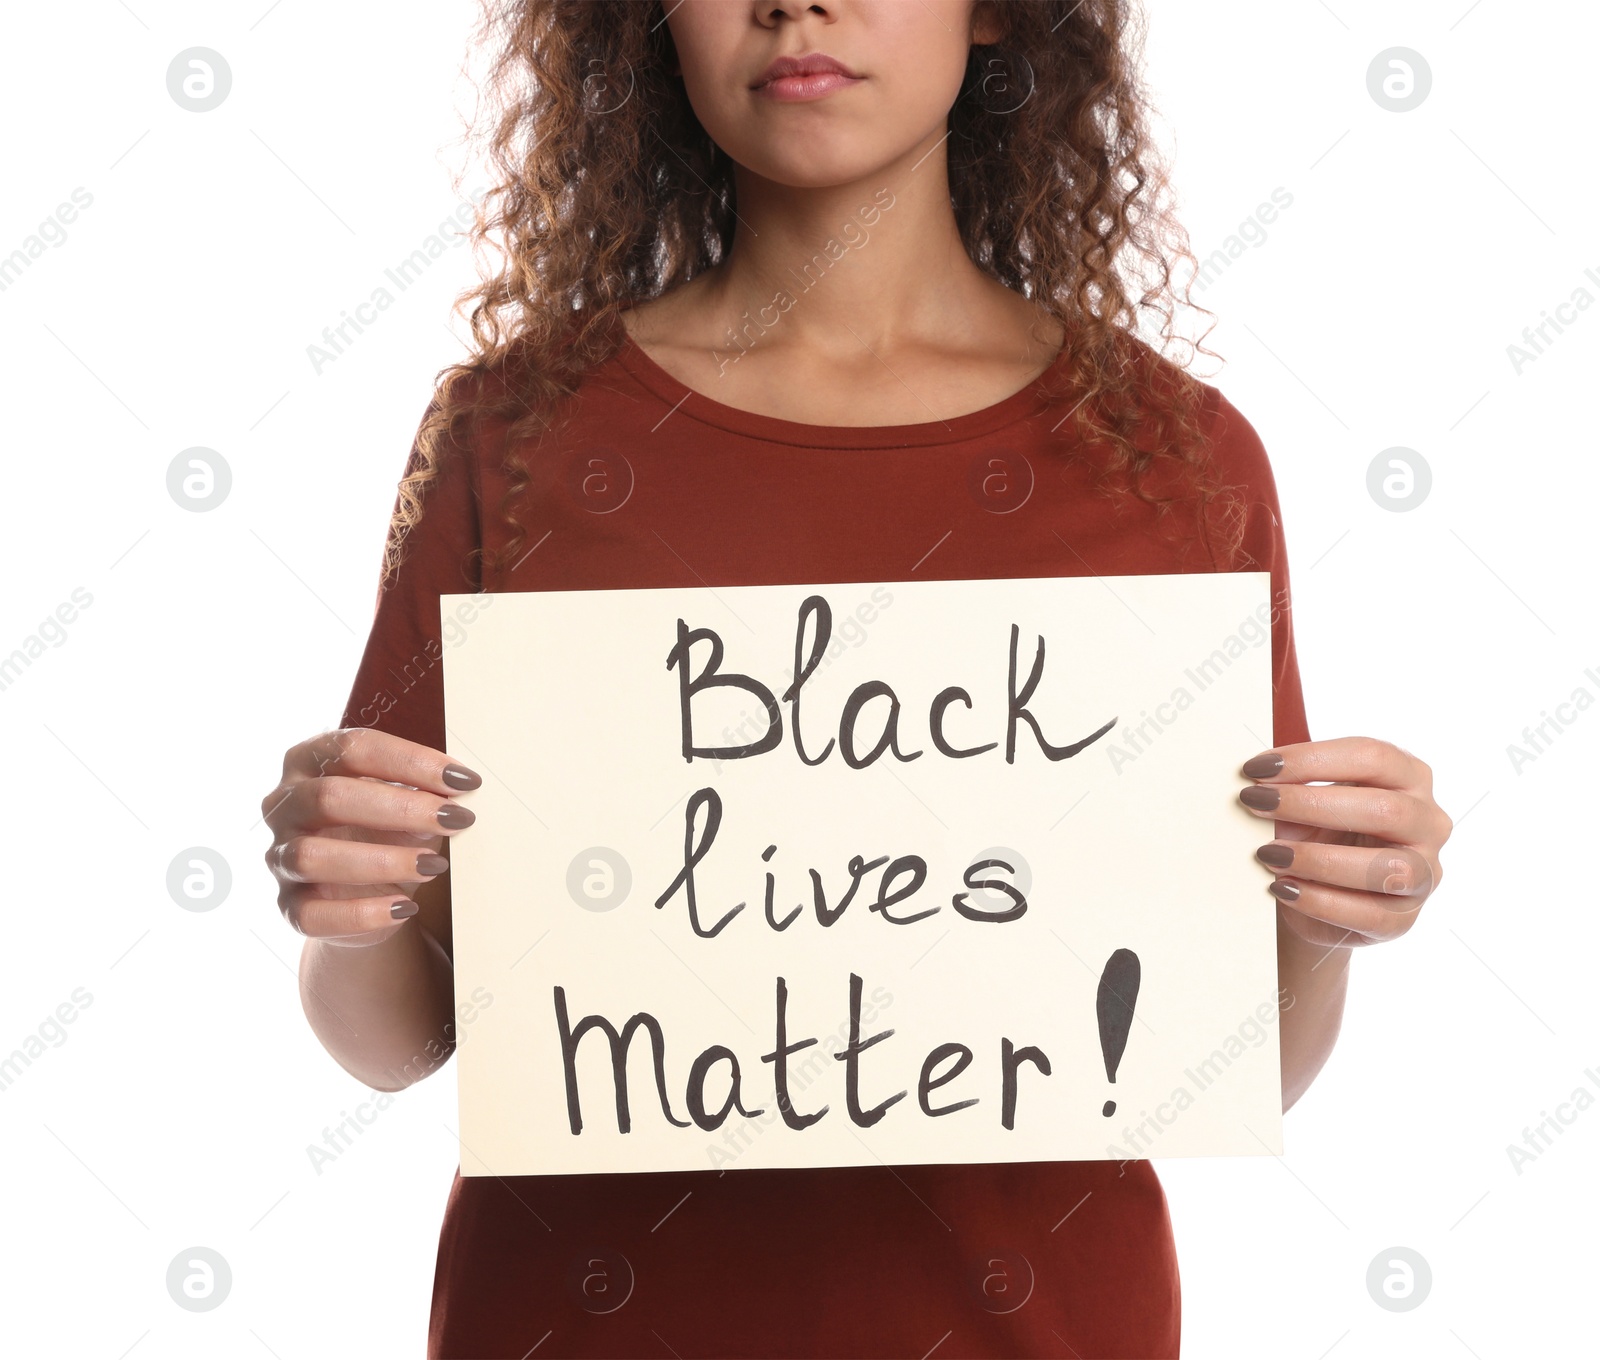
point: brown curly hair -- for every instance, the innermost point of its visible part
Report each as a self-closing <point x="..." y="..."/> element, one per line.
<point x="607" y="191"/>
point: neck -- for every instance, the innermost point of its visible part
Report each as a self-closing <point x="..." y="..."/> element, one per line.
<point x="876" y="262"/>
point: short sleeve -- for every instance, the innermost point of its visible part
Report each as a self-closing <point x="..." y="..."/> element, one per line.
<point x="399" y="685"/>
<point x="1242" y="459"/>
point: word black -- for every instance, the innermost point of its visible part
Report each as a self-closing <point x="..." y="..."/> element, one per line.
<point x="712" y="677"/>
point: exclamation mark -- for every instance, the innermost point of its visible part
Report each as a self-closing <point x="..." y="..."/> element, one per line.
<point x="1119" y="990"/>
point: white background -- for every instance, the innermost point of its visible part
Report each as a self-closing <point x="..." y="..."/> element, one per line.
<point x="177" y="313"/>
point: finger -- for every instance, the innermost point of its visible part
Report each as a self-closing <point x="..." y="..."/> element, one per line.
<point x="1349" y="760"/>
<point x="1385" y="813"/>
<point x="336" y="801"/>
<point x="1372" y="916"/>
<point x="1320" y="933"/>
<point x="365" y="752"/>
<point x="324" y="918"/>
<point x="1392" y="870"/>
<point x="327" y="859"/>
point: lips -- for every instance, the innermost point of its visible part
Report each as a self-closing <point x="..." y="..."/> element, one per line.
<point x="804" y="77"/>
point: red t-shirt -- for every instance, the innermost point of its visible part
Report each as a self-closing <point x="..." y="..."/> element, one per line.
<point x="650" y="484"/>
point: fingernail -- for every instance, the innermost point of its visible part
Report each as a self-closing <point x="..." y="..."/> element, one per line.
<point x="1283" y="890"/>
<point x="428" y="865"/>
<point x="1263" y="766"/>
<point x="1259" y="797"/>
<point x="1278" y="856"/>
<point x="460" y="777"/>
<point x="401" y="910"/>
<point x="453" y="817"/>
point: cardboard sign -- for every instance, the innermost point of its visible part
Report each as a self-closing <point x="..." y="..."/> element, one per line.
<point x="899" y="872"/>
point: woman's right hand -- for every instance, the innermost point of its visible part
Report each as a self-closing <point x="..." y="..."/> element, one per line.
<point x="358" y="821"/>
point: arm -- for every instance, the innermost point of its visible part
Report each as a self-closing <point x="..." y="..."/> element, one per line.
<point x="356" y="807"/>
<point x="384" y="1012"/>
<point x="1314" y="967"/>
<point x="1312" y="980"/>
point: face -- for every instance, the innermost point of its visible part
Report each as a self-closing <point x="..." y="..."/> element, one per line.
<point x="899" y="65"/>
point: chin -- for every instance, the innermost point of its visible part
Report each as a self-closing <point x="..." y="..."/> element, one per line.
<point x="818" y="164"/>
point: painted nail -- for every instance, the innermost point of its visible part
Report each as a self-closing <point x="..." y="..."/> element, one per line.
<point x="453" y="817"/>
<point x="429" y="865"/>
<point x="1283" y="890"/>
<point x="1259" y="797"/>
<point x="1263" y="766"/>
<point x="401" y="910"/>
<point x="460" y="777"/>
<point x="1278" y="856"/>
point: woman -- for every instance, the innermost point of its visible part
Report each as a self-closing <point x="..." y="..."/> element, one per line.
<point x="793" y="293"/>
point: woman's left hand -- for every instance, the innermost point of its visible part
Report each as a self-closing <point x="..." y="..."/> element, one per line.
<point x="1354" y="858"/>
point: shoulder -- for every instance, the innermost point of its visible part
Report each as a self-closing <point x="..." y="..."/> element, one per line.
<point x="474" y="405"/>
<point x="1243" y="473"/>
<point x="1230" y="468"/>
<point x="1229" y="443"/>
<point x="1236" y="443"/>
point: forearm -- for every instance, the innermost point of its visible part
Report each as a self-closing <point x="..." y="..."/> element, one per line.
<point x="1312" y="980"/>
<point x="383" y="1011"/>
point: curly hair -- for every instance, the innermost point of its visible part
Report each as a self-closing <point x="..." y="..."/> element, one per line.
<point x="605" y="191"/>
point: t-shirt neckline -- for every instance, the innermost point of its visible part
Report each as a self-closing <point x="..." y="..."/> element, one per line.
<point x="1022" y="403"/>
